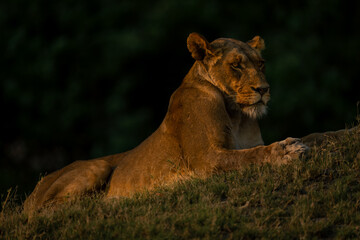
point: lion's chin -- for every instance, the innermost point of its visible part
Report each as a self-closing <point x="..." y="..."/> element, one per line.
<point x="255" y="111"/>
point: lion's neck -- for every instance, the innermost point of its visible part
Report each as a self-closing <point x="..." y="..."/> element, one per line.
<point x="199" y="74"/>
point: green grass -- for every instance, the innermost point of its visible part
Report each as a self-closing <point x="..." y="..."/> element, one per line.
<point x="307" y="199"/>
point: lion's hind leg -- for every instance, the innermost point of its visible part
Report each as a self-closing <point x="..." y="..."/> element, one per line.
<point x="317" y="139"/>
<point x="73" y="180"/>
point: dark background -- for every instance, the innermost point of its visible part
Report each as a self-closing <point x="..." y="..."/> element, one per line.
<point x="82" y="79"/>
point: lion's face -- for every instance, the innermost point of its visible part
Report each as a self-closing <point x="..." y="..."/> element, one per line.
<point x="238" y="70"/>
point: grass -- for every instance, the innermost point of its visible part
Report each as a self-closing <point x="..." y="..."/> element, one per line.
<point x="307" y="199"/>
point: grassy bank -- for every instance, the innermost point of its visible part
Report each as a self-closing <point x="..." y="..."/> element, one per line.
<point x="314" y="198"/>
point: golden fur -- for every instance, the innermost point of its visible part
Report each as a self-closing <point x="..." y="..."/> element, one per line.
<point x="211" y="126"/>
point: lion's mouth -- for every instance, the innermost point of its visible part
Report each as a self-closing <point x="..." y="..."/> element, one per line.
<point x="260" y="102"/>
<point x="252" y="101"/>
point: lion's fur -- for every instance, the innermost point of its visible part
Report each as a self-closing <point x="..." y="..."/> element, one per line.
<point x="211" y="125"/>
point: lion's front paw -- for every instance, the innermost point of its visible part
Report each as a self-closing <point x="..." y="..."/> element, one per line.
<point x="293" y="148"/>
<point x="286" y="150"/>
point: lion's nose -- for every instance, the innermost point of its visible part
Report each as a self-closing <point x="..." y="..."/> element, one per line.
<point x="261" y="90"/>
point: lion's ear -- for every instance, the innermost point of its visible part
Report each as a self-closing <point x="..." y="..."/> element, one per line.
<point x="257" y="43"/>
<point x="198" y="46"/>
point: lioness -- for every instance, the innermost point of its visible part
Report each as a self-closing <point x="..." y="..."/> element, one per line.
<point x="211" y="126"/>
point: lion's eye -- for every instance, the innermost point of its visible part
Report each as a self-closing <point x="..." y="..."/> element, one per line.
<point x="236" y="66"/>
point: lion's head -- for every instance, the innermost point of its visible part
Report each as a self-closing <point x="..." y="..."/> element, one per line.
<point x="236" y="68"/>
